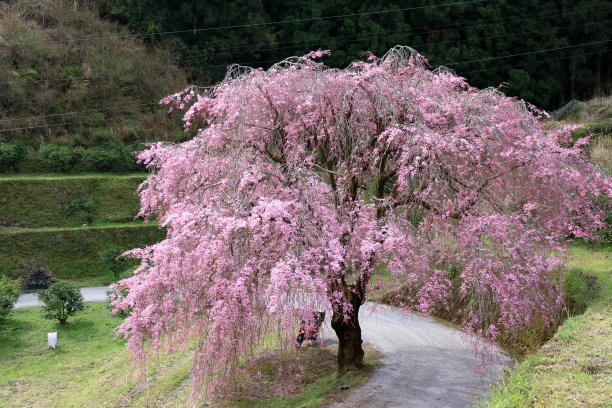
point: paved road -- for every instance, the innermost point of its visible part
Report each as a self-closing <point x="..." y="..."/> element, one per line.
<point x="89" y="294"/>
<point x="425" y="363"/>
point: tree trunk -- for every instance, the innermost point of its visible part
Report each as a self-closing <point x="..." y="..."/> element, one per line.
<point x="350" y="350"/>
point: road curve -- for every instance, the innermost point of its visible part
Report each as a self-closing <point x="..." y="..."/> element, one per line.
<point x="425" y="363"/>
<point x="97" y="294"/>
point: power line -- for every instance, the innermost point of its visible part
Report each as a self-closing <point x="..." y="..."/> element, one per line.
<point x="415" y="31"/>
<point x="527" y="53"/>
<point x="454" y="63"/>
<point x="193" y="59"/>
<point x="413" y="45"/>
<point x="51" y="125"/>
<point x="301" y="20"/>
<point x="79" y="112"/>
<point x="155" y="103"/>
<point x="526" y="63"/>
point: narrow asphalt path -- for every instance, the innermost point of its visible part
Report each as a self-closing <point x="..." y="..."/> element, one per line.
<point x="89" y="294"/>
<point x="425" y="363"/>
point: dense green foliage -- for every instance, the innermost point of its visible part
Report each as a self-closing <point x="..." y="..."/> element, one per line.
<point x="11" y="154"/>
<point x="61" y="300"/>
<point x="9" y="293"/>
<point x="47" y="73"/>
<point x="445" y="32"/>
<point x="57" y="158"/>
<point x="67" y="201"/>
<point x="71" y="253"/>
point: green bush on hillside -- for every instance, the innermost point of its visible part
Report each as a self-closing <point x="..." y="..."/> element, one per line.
<point x="11" y="154"/>
<point x="61" y="300"/>
<point x="115" y="262"/>
<point x="110" y="157"/>
<point x="9" y="293"/>
<point x="89" y="206"/>
<point x="59" y="158"/>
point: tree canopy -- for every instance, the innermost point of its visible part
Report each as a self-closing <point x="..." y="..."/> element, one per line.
<point x="304" y="180"/>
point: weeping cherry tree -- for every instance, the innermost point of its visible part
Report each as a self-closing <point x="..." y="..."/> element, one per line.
<point x="304" y="181"/>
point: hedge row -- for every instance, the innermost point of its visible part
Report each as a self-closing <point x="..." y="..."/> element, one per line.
<point x="107" y="157"/>
<point x="68" y="201"/>
<point x="71" y="254"/>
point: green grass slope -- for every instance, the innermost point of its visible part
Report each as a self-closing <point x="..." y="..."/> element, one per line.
<point x="44" y="200"/>
<point x="574" y="369"/>
<point x="72" y="253"/>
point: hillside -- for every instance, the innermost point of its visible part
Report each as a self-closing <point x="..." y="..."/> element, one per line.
<point x="68" y="77"/>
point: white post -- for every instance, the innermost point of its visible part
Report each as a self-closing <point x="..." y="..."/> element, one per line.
<point x="52" y="339"/>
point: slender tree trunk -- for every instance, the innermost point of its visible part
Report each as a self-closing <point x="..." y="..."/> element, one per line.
<point x="350" y="350"/>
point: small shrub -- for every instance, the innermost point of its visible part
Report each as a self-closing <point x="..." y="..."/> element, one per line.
<point x="89" y="206"/>
<point x="9" y="293"/>
<point x="37" y="276"/>
<point x="60" y="301"/>
<point x="11" y="154"/>
<point x="58" y="157"/>
<point x="115" y="262"/>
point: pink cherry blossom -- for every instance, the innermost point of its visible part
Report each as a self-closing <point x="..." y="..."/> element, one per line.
<point x="304" y="181"/>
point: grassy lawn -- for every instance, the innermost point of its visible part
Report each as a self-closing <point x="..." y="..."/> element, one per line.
<point x="574" y="369"/>
<point x="90" y="368"/>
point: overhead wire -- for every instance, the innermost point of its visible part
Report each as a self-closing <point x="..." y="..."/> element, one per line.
<point x="156" y="103"/>
<point x="349" y="42"/>
<point x="415" y="31"/>
<point x="578" y="9"/>
<point x="300" y="20"/>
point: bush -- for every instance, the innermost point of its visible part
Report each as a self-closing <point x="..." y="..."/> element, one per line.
<point x="60" y="301"/>
<point x="89" y="206"/>
<point x="9" y="293"/>
<point x="11" y="154"/>
<point x="58" y="157"/>
<point x="110" y="156"/>
<point x="115" y="262"/>
<point x="37" y="276"/>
